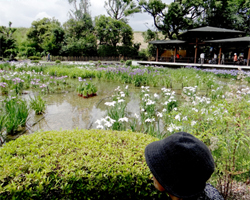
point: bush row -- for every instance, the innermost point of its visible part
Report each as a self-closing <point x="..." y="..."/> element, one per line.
<point x="78" y="164"/>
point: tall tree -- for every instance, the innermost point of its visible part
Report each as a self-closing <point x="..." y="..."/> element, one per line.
<point x="80" y="39"/>
<point x="7" y="42"/>
<point x="111" y="31"/>
<point x="119" y="9"/>
<point x="80" y="9"/>
<point x="46" y="35"/>
<point x="234" y="14"/>
<point x="182" y="15"/>
<point x="176" y="17"/>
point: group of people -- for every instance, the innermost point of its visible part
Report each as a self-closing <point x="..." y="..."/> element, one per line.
<point x="237" y="60"/>
<point x="213" y="60"/>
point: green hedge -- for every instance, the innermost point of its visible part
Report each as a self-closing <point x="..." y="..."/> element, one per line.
<point x="78" y="164"/>
<point x="35" y="58"/>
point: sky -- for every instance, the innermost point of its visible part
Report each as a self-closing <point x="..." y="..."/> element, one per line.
<point x="23" y="12"/>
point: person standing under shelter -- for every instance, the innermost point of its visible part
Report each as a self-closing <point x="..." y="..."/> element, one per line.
<point x="222" y="58"/>
<point x="235" y="58"/>
<point x="215" y="58"/>
<point x="48" y="57"/>
<point x="202" y="57"/>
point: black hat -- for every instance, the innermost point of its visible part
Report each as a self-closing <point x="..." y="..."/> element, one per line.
<point x="181" y="164"/>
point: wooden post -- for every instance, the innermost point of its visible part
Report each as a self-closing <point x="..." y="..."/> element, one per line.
<point x="195" y="55"/>
<point x="219" y="56"/>
<point x="174" y="54"/>
<point x="248" y="57"/>
<point x="157" y="54"/>
<point x="196" y="48"/>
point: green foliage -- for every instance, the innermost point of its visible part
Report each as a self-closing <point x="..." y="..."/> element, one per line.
<point x="35" y="61"/>
<point x="88" y="164"/>
<point x="179" y="16"/>
<point x="119" y="9"/>
<point x="79" y="37"/>
<point x="8" y="43"/>
<point x="122" y="61"/>
<point x="46" y="35"/>
<point x="35" y="58"/>
<point x="57" y="61"/>
<point x="111" y="32"/>
<point x="143" y="54"/>
<point x="17" y="112"/>
<point x="25" y="48"/>
<point x="107" y="50"/>
<point x="70" y="72"/>
<point x="38" y="105"/>
<point x="86" y="89"/>
<point x="128" y="62"/>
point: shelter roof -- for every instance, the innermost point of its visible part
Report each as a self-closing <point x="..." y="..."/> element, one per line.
<point x="167" y="42"/>
<point x="209" y="32"/>
<point x="238" y="39"/>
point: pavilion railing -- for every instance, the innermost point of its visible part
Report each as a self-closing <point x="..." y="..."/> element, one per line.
<point x="227" y="61"/>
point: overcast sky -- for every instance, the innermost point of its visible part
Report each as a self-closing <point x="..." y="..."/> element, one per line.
<point x="23" y="12"/>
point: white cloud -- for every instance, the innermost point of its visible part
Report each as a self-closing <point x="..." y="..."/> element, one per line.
<point x="23" y="12"/>
<point x="41" y="15"/>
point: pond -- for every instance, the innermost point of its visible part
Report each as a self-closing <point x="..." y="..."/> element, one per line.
<point x="66" y="110"/>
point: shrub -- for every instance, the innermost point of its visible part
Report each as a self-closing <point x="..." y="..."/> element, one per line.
<point x="107" y="50"/>
<point x="57" y="61"/>
<point x="35" y="58"/>
<point x="122" y="61"/>
<point x="128" y="62"/>
<point x="38" y="105"/>
<point x="78" y="164"/>
<point x="35" y="61"/>
<point x="17" y="112"/>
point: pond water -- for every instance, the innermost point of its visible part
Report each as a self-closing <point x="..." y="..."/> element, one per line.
<point x="66" y="110"/>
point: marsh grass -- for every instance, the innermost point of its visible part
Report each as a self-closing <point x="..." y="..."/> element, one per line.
<point x="38" y="104"/>
<point x="17" y="112"/>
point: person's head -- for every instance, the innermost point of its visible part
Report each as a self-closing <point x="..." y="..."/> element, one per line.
<point x="181" y="164"/>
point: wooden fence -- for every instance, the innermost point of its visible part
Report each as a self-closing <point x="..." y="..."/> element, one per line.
<point x="90" y="58"/>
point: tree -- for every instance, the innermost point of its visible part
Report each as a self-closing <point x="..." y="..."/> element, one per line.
<point x="232" y="14"/>
<point x="148" y="36"/>
<point x="79" y="11"/>
<point x="7" y="42"/>
<point x="119" y="9"/>
<point x="80" y="39"/>
<point x="46" y="35"/>
<point x="111" y="31"/>
<point x="78" y="29"/>
<point x="176" y="17"/>
<point x="181" y="15"/>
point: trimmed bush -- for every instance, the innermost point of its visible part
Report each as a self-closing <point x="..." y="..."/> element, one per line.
<point x="35" y="58"/>
<point x="128" y="62"/>
<point x="57" y="61"/>
<point x="78" y="164"/>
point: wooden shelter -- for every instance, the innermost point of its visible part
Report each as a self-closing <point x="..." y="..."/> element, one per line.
<point x="194" y="38"/>
<point x="240" y="41"/>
